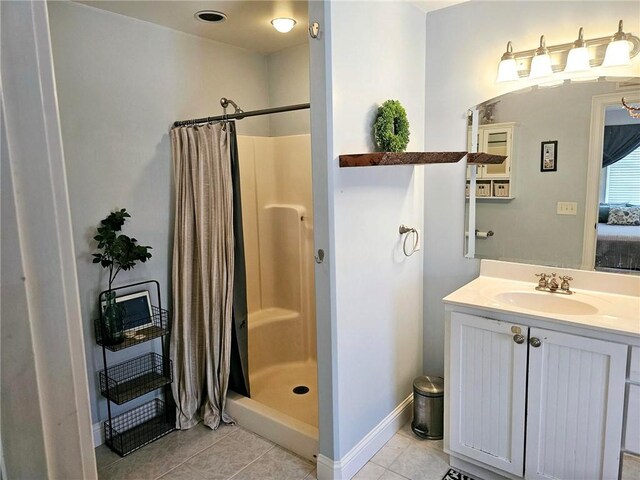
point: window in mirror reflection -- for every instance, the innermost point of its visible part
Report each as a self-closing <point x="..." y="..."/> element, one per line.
<point x="618" y="229"/>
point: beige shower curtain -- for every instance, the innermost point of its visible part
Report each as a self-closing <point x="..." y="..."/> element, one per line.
<point x="203" y="271"/>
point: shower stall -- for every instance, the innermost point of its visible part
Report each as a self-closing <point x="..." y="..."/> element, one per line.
<point x="277" y="218"/>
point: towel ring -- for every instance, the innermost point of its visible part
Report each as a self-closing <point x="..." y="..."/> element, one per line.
<point x="416" y="239"/>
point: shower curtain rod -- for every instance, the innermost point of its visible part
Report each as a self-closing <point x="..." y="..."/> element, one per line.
<point x="241" y="115"/>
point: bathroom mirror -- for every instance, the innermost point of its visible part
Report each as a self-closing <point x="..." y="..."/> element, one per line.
<point x="542" y="205"/>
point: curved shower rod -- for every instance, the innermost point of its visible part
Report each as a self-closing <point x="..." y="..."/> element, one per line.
<point x="239" y="114"/>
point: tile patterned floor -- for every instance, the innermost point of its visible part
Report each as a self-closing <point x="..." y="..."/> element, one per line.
<point x="202" y="453"/>
<point x="234" y="453"/>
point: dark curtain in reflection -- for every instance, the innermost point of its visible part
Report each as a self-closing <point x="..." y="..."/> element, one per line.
<point x="619" y="141"/>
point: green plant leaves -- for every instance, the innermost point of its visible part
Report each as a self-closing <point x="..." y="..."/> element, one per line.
<point x="114" y="221"/>
<point x="118" y="251"/>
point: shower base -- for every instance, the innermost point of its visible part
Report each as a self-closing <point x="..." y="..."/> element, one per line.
<point x="275" y="412"/>
<point x="274" y="387"/>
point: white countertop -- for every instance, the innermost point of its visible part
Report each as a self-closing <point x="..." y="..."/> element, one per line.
<point x="613" y="312"/>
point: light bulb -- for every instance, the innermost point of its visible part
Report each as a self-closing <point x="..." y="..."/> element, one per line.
<point x="540" y="66"/>
<point x="541" y="62"/>
<point x="578" y="58"/>
<point x="507" y="69"/>
<point x="283" y="25"/>
<point x="617" y="53"/>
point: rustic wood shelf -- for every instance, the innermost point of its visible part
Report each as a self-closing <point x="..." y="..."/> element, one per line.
<point x="399" y="158"/>
<point x="485" y="159"/>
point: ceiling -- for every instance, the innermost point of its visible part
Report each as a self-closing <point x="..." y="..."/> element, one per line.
<point x="248" y="21"/>
<point x="430" y="5"/>
<point x="247" y="25"/>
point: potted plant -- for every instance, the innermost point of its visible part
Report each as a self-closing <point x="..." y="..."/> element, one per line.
<point x="119" y="252"/>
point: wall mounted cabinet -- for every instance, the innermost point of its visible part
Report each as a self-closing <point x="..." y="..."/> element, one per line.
<point x="566" y="391"/>
<point x="495" y="180"/>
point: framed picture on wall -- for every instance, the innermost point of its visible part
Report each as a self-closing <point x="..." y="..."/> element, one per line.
<point x="549" y="156"/>
<point x="137" y="311"/>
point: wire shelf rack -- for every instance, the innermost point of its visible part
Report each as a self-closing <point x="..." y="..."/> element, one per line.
<point x="130" y="431"/>
<point x="133" y="378"/>
<point x="156" y="326"/>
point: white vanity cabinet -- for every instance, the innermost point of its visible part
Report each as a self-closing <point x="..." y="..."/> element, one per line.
<point x="487" y="379"/>
<point x="565" y="391"/>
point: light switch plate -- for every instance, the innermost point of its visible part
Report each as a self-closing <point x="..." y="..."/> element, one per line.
<point x="567" y="208"/>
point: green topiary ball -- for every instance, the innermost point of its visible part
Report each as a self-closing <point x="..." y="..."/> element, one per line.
<point x="391" y="128"/>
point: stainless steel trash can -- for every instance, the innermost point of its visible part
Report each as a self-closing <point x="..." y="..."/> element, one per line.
<point x="428" y="407"/>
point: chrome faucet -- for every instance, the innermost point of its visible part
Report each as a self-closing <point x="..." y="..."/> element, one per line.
<point x="549" y="283"/>
<point x="564" y="286"/>
<point x="542" y="283"/>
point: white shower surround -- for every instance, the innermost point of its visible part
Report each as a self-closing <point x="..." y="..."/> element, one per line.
<point x="278" y="233"/>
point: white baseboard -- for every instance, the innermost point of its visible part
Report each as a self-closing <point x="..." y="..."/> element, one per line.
<point x="365" y="449"/>
<point x="98" y="435"/>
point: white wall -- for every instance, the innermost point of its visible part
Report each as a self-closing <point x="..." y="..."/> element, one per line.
<point x="464" y="45"/>
<point x="121" y="83"/>
<point x="377" y="52"/>
<point x="289" y="85"/>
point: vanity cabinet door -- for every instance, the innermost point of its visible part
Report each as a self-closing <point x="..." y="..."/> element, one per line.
<point x="574" y="402"/>
<point x="487" y="391"/>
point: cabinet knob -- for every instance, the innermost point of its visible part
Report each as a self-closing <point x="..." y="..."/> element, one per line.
<point x="519" y="339"/>
<point x="535" y="342"/>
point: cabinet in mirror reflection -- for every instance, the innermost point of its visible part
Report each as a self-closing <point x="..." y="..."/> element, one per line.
<point x="520" y="204"/>
<point x="493" y="181"/>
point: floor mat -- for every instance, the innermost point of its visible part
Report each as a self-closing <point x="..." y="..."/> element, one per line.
<point x="453" y="475"/>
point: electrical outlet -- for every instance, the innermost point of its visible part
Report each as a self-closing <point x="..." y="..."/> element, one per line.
<point x="567" y="208"/>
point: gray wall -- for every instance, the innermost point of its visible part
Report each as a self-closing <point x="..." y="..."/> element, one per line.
<point x="289" y="85"/>
<point x="464" y="45"/>
<point x="121" y="83"/>
<point x="527" y="228"/>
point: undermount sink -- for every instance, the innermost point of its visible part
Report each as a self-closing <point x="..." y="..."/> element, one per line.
<point x="546" y="302"/>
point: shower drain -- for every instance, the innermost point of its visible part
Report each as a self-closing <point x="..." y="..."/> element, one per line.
<point x="301" y="390"/>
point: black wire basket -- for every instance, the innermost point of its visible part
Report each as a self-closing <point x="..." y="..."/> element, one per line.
<point x="136" y="330"/>
<point x="130" y="431"/>
<point x="133" y="378"/>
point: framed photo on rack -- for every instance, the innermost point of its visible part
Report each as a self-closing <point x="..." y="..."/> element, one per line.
<point x="137" y="311"/>
<point x="549" y="156"/>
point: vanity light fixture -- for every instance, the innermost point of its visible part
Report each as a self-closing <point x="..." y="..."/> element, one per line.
<point x="507" y="69"/>
<point x="283" y="25"/>
<point x="541" y="61"/>
<point x="576" y="60"/>
<point x="618" y="50"/>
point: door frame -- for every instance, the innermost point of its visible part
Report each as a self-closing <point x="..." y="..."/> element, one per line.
<point x="599" y="104"/>
<point x="46" y="419"/>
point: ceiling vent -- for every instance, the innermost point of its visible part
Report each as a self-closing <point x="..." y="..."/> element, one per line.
<point x="210" y="16"/>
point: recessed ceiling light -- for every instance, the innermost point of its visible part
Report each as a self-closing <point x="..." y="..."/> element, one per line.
<point x="283" y="25"/>
<point x="210" y="16"/>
